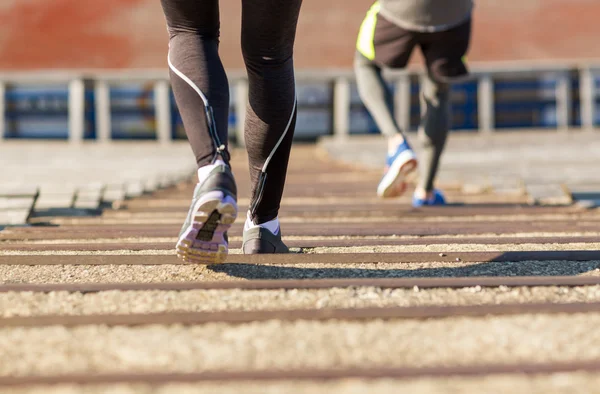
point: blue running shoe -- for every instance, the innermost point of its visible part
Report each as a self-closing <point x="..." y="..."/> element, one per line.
<point x="398" y="166"/>
<point x="437" y="199"/>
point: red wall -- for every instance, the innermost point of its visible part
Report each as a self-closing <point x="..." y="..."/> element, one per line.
<point x="131" y="33"/>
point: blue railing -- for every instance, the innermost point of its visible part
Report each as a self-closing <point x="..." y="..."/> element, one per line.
<point x="519" y="101"/>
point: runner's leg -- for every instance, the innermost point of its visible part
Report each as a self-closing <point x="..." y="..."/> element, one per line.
<point x="382" y="43"/>
<point x="202" y="95"/>
<point x="197" y="76"/>
<point x="444" y="55"/>
<point x="268" y="34"/>
<point x="435" y="99"/>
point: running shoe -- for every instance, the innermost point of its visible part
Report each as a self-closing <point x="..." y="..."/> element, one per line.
<point x="436" y="199"/>
<point x="398" y="166"/>
<point x="259" y="240"/>
<point x="203" y="237"/>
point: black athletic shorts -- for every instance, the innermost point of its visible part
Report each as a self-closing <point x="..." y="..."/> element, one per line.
<point x="389" y="45"/>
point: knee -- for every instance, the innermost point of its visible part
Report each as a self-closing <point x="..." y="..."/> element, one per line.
<point x="436" y="91"/>
<point x="257" y="55"/>
<point x="192" y="37"/>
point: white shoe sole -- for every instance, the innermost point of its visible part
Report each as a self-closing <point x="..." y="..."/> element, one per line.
<point x="203" y="241"/>
<point x="393" y="183"/>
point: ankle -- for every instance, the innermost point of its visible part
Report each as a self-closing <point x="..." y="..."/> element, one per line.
<point x="204" y="171"/>
<point x="271" y="225"/>
<point x="394" y="142"/>
<point x="423" y="194"/>
<point x="219" y="159"/>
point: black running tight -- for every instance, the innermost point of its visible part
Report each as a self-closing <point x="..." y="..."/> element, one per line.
<point x="202" y="92"/>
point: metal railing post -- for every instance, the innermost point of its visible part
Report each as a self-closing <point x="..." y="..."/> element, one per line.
<point x="162" y="110"/>
<point x="341" y="107"/>
<point x="103" y="117"/>
<point x="76" y="110"/>
<point x="587" y="96"/>
<point x="2" y="110"/>
<point x="241" y="102"/>
<point x="563" y="101"/>
<point x="485" y="103"/>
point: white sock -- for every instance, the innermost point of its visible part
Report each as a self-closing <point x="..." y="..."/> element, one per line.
<point x="205" y="170"/>
<point x="271" y="225"/>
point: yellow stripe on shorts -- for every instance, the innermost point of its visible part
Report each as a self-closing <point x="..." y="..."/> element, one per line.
<point x="364" y="43"/>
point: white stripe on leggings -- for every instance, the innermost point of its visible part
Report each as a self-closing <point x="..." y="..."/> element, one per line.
<point x="264" y="169"/>
<point x="181" y="75"/>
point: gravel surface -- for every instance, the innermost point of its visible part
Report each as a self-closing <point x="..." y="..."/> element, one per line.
<point x="300" y="238"/>
<point x="446" y="248"/>
<point x="184" y="273"/>
<point x="474" y="247"/>
<point x="277" y="344"/>
<point x="326" y="217"/>
<point x="565" y="383"/>
<point x="126" y="302"/>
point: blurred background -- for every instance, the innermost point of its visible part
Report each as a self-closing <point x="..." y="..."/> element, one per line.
<point x="74" y="71"/>
<point x="83" y="69"/>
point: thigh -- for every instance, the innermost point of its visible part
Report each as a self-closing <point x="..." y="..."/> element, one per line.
<point x="192" y="16"/>
<point x="269" y="27"/>
<point x="392" y="45"/>
<point x="444" y="52"/>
